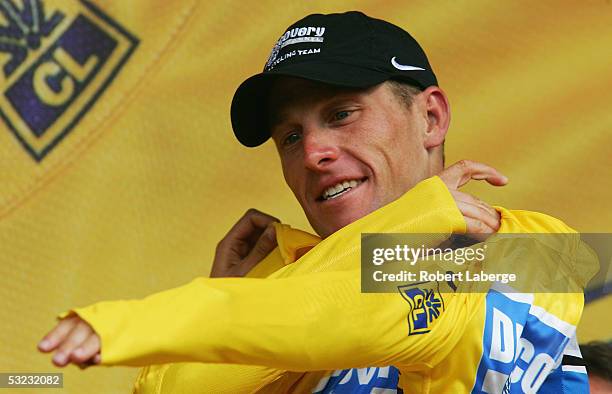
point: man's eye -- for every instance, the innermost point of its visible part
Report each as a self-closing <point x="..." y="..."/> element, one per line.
<point x="340" y="115"/>
<point x="291" y="139"/>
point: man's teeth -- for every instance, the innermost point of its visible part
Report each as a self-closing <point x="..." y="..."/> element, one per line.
<point x="338" y="189"/>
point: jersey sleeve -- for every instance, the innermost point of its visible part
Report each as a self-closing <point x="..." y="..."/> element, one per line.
<point x="275" y="322"/>
<point x="312" y="322"/>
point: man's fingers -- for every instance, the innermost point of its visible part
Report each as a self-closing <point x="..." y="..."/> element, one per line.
<point x="477" y="229"/>
<point x="480" y="218"/>
<point x="476" y="202"/>
<point x="244" y="233"/>
<point x="245" y="245"/>
<point x="76" y="337"/>
<point x="479" y="214"/>
<point x="264" y="245"/>
<point x="58" y="334"/>
<point x="95" y="360"/>
<point x="252" y="220"/>
<point x="86" y="350"/>
<point x="463" y="171"/>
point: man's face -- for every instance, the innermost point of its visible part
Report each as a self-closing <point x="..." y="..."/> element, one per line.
<point x="346" y="153"/>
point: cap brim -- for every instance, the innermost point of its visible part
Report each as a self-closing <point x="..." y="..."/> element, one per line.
<point x="249" y="111"/>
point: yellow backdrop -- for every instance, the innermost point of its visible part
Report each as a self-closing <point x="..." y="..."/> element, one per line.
<point x="134" y="196"/>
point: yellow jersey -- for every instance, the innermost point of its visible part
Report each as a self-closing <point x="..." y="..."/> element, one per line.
<point x="306" y="324"/>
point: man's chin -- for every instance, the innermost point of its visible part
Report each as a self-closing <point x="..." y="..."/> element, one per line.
<point x="339" y="221"/>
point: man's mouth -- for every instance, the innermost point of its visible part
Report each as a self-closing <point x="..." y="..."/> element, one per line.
<point x="340" y="189"/>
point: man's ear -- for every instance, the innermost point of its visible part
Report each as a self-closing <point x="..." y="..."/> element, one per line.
<point x="437" y="108"/>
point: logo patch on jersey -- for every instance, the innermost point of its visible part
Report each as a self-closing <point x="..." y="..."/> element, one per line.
<point x="55" y="63"/>
<point x="360" y="380"/>
<point x="426" y="305"/>
<point x="522" y="344"/>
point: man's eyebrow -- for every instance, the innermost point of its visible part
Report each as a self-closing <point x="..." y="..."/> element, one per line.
<point x="341" y="98"/>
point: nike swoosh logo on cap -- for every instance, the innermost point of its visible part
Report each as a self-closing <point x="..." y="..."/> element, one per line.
<point x="403" y="67"/>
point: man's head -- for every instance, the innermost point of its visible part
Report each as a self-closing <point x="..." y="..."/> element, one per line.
<point x="347" y="152"/>
<point x="354" y="110"/>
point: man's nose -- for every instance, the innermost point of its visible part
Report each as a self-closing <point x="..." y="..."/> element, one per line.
<point x="320" y="148"/>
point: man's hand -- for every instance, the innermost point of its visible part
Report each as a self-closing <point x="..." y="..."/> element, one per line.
<point x="479" y="216"/>
<point x="74" y="341"/>
<point x="250" y="240"/>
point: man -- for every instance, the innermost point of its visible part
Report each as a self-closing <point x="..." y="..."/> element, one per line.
<point x="359" y="123"/>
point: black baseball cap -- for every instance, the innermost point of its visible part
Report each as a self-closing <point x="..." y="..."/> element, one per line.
<point x="349" y="50"/>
